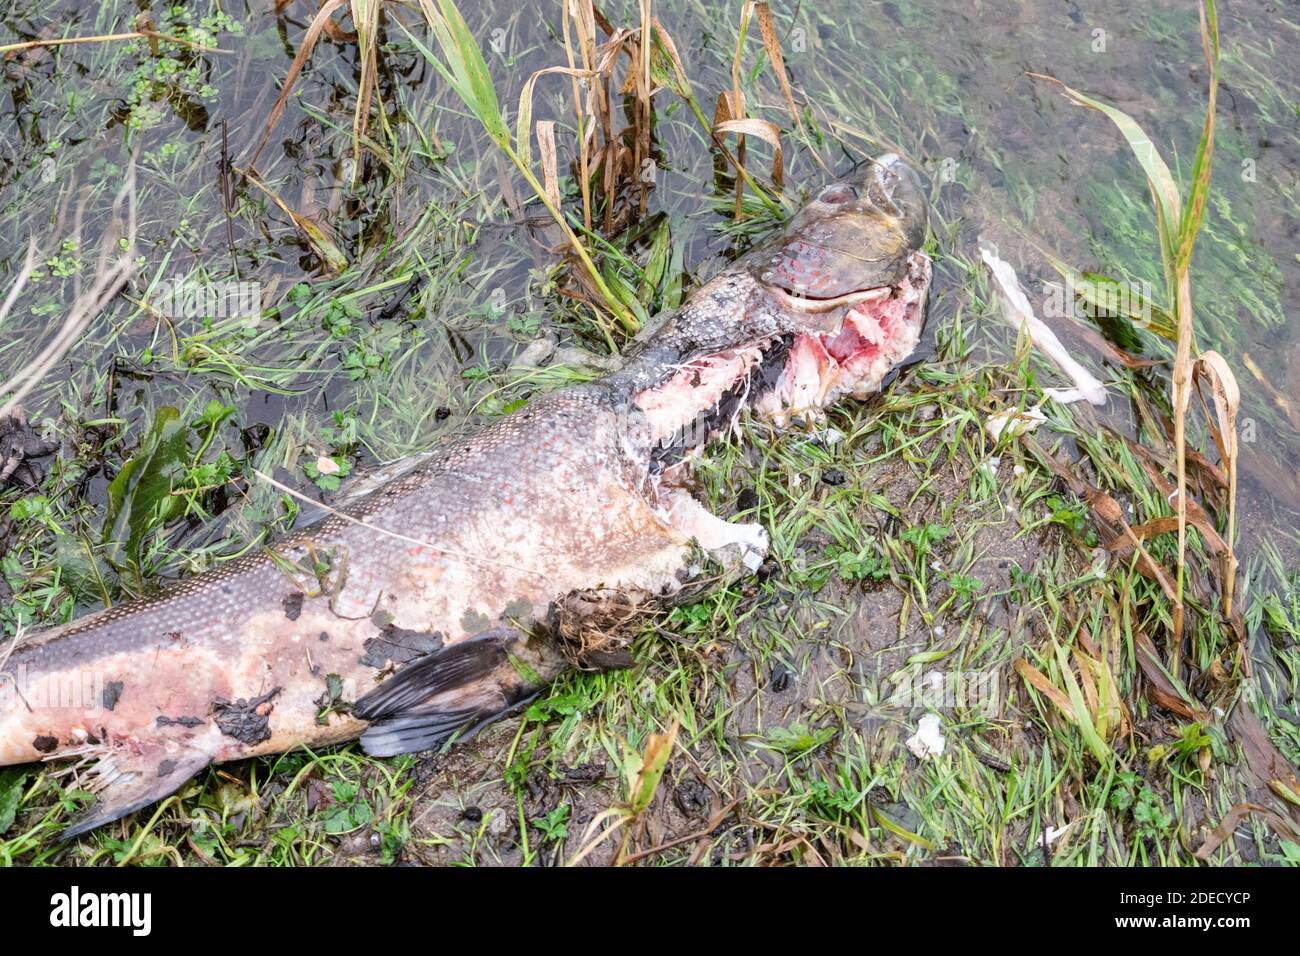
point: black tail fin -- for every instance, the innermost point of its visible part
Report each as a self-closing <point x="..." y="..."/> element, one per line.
<point x="414" y="732"/>
<point x="459" y="688"/>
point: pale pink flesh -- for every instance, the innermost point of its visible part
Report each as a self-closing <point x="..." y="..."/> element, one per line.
<point x="697" y="385"/>
<point x="874" y="337"/>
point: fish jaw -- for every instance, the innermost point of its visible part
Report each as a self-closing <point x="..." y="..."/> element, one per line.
<point x="854" y="358"/>
<point x="823" y="312"/>
<point x="805" y="364"/>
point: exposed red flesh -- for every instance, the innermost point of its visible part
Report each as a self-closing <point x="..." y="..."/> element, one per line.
<point x="873" y="337"/>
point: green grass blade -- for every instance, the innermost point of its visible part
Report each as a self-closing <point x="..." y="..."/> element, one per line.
<point x="465" y="69"/>
<point x="1081" y="715"/>
<point x="1200" y="187"/>
<point x="467" y="58"/>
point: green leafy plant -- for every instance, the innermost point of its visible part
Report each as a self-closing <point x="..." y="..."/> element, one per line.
<point x="12" y="780"/>
<point x="924" y="537"/>
<point x="332" y="476"/>
<point x="861" y="565"/>
<point x="796" y="739"/>
<point x="554" y="825"/>
<point x="350" y="809"/>
<point x="965" y="585"/>
<point x="1150" y="814"/>
<point x="140" y="498"/>
<point x="1178" y="222"/>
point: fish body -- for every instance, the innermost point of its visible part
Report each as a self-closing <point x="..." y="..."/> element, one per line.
<point x="433" y="603"/>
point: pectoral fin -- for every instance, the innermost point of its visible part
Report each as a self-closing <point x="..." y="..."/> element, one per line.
<point x="457" y="689"/>
<point x="714" y="534"/>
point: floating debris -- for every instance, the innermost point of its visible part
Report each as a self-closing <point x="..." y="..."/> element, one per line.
<point x="928" y="741"/>
<point x="1014" y="422"/>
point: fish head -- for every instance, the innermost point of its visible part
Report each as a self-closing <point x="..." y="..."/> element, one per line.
<point x="854" y="237"/>
<point x="825" y="310"/>
<point x="848" y="281"/>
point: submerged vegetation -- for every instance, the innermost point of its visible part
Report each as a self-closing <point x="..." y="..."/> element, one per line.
<point x="423" y="196"/>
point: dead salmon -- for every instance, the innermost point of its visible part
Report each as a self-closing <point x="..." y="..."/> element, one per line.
<point x="453" y="592"/>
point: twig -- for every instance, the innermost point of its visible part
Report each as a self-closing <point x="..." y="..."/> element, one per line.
<point x="109" y="279"/>
<point x="712" y="825"/>
<point x="25" y="273"/>
<point x="109" y="37"/>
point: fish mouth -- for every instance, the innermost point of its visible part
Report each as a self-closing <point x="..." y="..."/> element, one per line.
<point x="814" y="305"/>
<point x="876" y="330"/>
<point x="788" y="375"/>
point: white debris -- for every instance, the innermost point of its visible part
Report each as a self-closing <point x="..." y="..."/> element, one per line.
<point x="928" y="740"/>
<point x="1064" y="395"/>
<point x="1014" y="422"/>
<point x="327" y="465"/>
<point x="1053" y="834"/>
<point x="828" y="436"/>
<point x="1021" y="316"/>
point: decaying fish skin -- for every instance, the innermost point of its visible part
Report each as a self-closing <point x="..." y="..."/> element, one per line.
<point x="20" y="446"/>
<point x="429" y="606"/>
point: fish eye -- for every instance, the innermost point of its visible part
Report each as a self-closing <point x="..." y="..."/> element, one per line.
<point x="837" y="194"/>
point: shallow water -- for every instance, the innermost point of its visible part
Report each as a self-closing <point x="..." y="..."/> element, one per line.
<point x="446" y="287"/>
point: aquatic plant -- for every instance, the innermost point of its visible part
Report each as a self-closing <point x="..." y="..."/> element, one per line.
<point x="1177" y="224"/>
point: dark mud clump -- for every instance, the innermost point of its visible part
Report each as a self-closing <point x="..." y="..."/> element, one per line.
<point x="293" y="605"/>
<point x="399" y="645"/>
<point x="246" y="720"/>
<point x="185" y="721"/>
<point x="112" y="694"/>
<point x="20" y="445"/>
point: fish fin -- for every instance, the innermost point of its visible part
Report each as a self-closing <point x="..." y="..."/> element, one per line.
<point x="126" y="781"/>
<point x="459" y="688"/>
<point x="414" y="732"/>
<point x="434" y="674"/>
